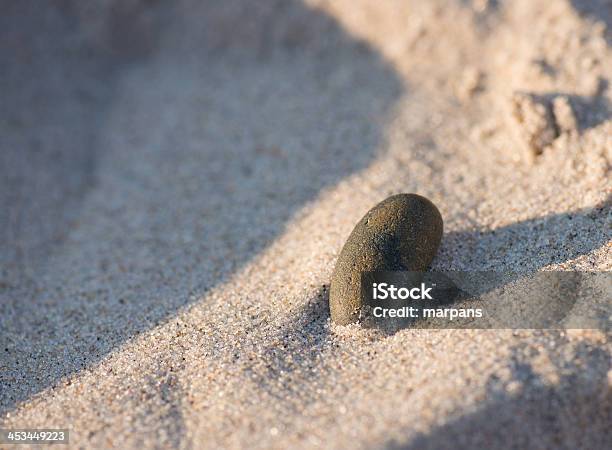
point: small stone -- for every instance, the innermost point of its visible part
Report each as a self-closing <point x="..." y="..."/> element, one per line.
<point x="402" y="232"/>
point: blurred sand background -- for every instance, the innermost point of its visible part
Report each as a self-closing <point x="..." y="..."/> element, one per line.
<point x="178" y="178"/>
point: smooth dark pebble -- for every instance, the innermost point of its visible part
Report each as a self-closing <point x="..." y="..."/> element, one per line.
<point x="402" y="232"/>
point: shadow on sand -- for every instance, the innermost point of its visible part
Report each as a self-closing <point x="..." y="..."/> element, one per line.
<point x="149" y="151"/>
<point x="574" y="412"/>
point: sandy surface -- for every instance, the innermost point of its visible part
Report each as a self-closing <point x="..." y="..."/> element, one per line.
<point x="178" y="180"/>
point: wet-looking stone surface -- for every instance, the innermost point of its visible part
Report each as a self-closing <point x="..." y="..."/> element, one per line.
<point x="402" y="232"/>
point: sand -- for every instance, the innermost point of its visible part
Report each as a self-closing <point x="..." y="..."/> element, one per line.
<point x="178" y="180"/>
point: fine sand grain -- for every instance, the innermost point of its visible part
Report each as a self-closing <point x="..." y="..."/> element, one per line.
<point x="177" y="180"/>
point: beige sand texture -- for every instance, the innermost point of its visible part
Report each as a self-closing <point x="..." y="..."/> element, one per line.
<point x="178" y="178"/>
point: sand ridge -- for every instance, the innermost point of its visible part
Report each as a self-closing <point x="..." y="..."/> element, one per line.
<point x="171" y="288"/>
